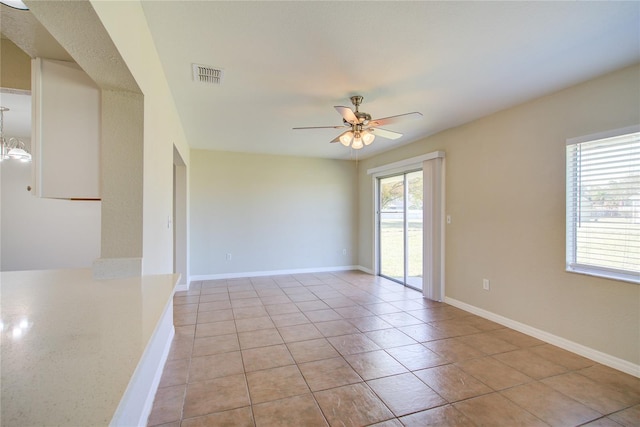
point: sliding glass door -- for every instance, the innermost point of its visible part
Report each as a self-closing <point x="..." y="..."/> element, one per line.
<point x="400" y="224"/>
<point x="392" y="225"/>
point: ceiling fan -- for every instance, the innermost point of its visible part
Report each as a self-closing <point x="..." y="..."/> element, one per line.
<point x="361" y="129"/>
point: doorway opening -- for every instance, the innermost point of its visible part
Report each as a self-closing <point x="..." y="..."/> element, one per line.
<point x="180" y="244"/>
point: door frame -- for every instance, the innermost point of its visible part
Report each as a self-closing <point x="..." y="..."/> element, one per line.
<point x="434" y="285"/>
<point x="180" y="220"/>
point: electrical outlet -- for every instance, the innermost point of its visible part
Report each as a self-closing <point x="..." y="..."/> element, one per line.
<point x="448" y="219"/>
<point x="228" y="257"/>
<point x="344" y="252"/>
<point x="485" y="284"/>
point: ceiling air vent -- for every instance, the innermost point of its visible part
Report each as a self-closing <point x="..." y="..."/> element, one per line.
<point x="207" y="74"/>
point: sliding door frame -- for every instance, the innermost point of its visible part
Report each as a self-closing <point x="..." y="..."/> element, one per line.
<point x="433" y="257"/>
<point x="405" y="226"/>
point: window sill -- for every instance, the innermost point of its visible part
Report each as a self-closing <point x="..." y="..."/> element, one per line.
<point x="605" y="274"/>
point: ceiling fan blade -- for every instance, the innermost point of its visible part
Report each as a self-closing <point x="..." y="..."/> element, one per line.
<point x="347" y="114"/>
<point x="389" y="134"/>
<point x="322" y="127"/>
<point x="395" y="119"/>
<point x="337" y="138"/>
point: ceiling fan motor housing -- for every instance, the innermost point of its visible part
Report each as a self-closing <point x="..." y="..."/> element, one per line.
<point x="363" y="118"/>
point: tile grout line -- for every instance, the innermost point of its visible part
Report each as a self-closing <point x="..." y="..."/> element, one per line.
<point x="244" y="369"/>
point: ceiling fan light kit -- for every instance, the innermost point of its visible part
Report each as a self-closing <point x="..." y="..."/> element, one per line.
<point x="357" y="139"/>
<point x="361" y="129"/>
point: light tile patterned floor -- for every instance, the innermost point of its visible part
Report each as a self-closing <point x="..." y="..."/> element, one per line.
<point x="351" y="349"/>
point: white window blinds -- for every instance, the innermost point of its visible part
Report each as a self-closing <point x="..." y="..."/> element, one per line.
<point x="603" y="206"/>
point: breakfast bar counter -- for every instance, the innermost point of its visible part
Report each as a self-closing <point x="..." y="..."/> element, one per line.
<point x="82" y="352"/>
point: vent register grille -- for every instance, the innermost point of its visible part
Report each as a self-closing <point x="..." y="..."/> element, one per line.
<point x="207" y="74"/>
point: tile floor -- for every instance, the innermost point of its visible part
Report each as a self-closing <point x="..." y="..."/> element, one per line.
<point x="351" y="349"/>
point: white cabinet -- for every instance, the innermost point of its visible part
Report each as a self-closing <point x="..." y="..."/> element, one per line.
<point x="65" y="131"/>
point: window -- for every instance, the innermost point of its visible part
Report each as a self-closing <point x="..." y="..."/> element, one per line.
<point x="603" y="204"/>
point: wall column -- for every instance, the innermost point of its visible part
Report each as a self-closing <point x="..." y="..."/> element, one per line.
<point x="122" y="185"/>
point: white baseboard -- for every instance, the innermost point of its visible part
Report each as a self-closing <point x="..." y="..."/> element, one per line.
<point x="366" y="270"/>
<point x="588" y="352"/>
<point x="197" y="278"/>
<point x="184" y="287"/>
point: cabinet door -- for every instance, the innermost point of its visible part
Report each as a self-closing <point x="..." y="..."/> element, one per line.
<point x="66" y="131"/>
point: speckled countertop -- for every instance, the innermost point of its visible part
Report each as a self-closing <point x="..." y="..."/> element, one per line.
<point x="70" y="344"/>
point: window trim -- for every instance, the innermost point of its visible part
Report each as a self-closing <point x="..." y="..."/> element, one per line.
<point x="590" y="270"/>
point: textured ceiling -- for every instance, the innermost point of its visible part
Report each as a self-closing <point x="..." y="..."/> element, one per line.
<point x="288" y="63"/>
<point x="23" y="29"/>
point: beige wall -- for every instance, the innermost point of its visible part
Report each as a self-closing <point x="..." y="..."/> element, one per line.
<point x="15" y="66"/>
<point x="505" y="192"/>
<point x="270" y="212"/>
